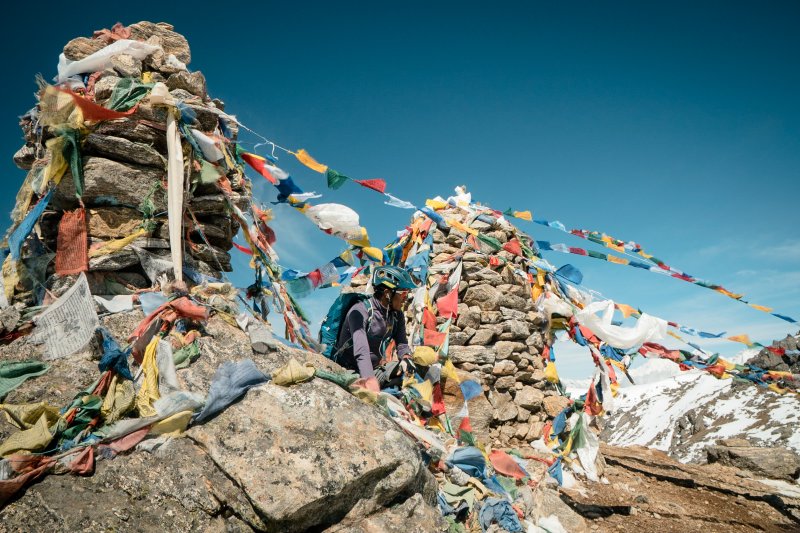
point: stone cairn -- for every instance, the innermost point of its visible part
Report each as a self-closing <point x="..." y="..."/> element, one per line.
<point x="124" y="168"/>
<point x="497" y="339"/>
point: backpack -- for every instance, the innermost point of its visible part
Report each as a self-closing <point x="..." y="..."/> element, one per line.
<point x="332" y="323"/>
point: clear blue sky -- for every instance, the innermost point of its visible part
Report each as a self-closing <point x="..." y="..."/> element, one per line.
<point x="677" y="126"/>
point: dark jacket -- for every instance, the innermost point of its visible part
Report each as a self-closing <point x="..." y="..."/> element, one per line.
<point x="363" y="353"/>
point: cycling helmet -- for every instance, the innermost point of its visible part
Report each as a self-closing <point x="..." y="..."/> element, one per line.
<point x="393" y="277"/>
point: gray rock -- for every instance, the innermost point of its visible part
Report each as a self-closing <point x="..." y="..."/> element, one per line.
<point x="504" y="368"/>
<point x="24" y="157"/>
<point x="535" y="340"/>
<point x="472" y="354"/>
<point x="118" y="261"/>
<point x="549" y="503"/>
<point x="771" y="462"/>
<point x="505" y="409"/>
<point x="529" y="398"/>
<point x="553" y="405"/>
<point x="482" y="337"/>
<point x="505" y="349"/>
<point x="104" y="86"/>
<point x="513" y="302"/>
<point x="82" y="47"/>
<point x="105" y="179"/>
<point x="504" y="383"/>
<point x="172" y="42"/>
<point x="136" y="132"/>
<point x="194" y="83"/>
<point x="120" y="149"/>
<point x="127" y="66"/>
<point x="484" y="296"/>
<point x="412" y="516"/>
<point x="518" y="329"/>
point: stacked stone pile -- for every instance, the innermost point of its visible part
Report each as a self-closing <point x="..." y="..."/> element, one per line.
<point x="498" y="337"/>
<point x="124" y="163"/>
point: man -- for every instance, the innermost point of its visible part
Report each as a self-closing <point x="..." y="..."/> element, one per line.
<point x="370" y="325"/>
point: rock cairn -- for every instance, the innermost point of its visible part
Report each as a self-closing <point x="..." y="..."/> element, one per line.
<point x="124" y="165"/>
<point x="499" y="336"/>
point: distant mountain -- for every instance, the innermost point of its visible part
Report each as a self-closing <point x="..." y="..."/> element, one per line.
<point x="683" y="412"/>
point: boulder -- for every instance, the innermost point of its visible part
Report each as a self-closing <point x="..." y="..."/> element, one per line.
<point x="772" y="462"/>
<point x="504" y="383"/>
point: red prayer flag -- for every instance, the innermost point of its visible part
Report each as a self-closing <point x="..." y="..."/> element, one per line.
<point x="374" y="184"/>
<point x="94" y="112"/>
<point x="505" y="464"/>
<point x="243" y="249"/>
<point x="72" y="251"/>
<point x="433" y="338"/>
<point x="448" y="304"/>
<point x="577" y="251"/>
<point x="428" y="319"/>
<point x="776" y="350"/>
<point x="465" y="425"/>
<point x="259" y="164"/>
<point x="513" y="247"/>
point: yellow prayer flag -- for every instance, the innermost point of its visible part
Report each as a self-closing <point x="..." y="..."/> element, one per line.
<point x="449" y="371"/>
<point x="675" y="335"/>
<point x="148" y="393"/>
<point x="744" y="339"/>
<point x="550" y="372"/>
<point x="373" y="253"/>
<point x="524" y="215"/>
<point x="435" y="204"/>
<point x="305" y="158"/>
<point x="463" y="227"/>
<point x="761" y="308"/>
<point x="617" y="260"/>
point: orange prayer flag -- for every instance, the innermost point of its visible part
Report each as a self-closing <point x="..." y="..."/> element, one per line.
<point x="729" y="294"/>
<point x="617" y="260"/>
<point x="626" y="310"/>
<point x="761" y="308"/>
<point x="305" y="158"/>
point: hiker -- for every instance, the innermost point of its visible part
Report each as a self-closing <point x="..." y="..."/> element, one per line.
<point x="371" y="324"/>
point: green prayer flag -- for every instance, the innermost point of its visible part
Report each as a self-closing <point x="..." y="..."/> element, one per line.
<point x="127" y="93"/>
<point x="491" y="241"/>
<point x="335" y="180"/>
<point x="15" y="373"/>
<point x="210" y="173"/>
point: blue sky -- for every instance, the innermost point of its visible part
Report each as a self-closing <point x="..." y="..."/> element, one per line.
<point x="677" y="126"/>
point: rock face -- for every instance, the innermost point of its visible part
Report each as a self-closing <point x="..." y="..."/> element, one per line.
<point x="307" y="457"/>
<point x="771" y="462"/>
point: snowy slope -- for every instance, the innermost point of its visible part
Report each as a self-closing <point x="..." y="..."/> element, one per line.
<point x="683" y="412"/>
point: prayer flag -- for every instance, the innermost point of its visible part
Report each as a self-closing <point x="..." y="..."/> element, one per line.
<point x="259" y="164"/>
<point x="305" y="158"/>
<point x="374" y="184"/>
